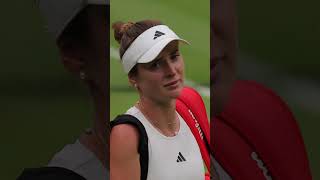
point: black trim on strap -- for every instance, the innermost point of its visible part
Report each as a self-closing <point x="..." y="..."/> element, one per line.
<point x="49" y="173"/>
<point x="143" y="140"/>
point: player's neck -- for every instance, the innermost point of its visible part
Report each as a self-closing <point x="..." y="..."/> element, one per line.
<point x="162" y="115"/>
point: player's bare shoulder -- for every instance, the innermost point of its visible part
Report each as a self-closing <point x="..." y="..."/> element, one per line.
<point x="124" y="138"/>
<point x="124" y="156"/>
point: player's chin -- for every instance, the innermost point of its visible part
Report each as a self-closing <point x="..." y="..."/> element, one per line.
<point x="174" y="92"/>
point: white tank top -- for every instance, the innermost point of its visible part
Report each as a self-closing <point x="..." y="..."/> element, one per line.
<point x="171" y="158"/>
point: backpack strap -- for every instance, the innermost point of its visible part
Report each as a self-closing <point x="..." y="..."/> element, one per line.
<point x="191" y="108"/>
<point x="143" y="140"/>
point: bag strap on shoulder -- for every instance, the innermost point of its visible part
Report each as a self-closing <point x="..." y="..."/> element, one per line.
<point x="191" y="108"/>
<point x="143" y="140"/>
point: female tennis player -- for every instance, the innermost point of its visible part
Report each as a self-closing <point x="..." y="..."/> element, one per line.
<point x="151" y="58"/>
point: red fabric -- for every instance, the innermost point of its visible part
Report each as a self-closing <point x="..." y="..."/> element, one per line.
<point x="257" y="120"/>
<point x="189" y="99"/>
<point x="207" y="177"/>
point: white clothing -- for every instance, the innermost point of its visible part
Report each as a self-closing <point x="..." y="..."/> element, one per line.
<point x="171" y="158"/>
<point x="78" y="158"/>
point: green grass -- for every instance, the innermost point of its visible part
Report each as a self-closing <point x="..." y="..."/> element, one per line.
<point x="190" y="25"/>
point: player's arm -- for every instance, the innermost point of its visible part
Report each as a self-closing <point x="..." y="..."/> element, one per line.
<point x="124" y="156"/>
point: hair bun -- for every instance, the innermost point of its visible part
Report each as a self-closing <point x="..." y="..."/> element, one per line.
<point x="120" y="28"/>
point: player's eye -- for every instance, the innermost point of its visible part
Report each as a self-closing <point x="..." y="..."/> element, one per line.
<point x="155" y="65"/>
<point x="175" y="56"/>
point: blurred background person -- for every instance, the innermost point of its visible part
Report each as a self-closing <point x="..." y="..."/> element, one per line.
<point x="80" y="31"/>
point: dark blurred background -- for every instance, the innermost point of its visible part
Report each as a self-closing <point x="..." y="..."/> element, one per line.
<point x="42" y="106"/>
<point x="279" y="47"/>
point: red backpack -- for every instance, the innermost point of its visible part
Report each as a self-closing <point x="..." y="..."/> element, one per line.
<point x="257" y="137"/>
<point x="191" y="108"/>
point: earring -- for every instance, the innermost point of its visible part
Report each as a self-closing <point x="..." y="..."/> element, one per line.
<point x="82" y="75"/>
<point x="135" y="85"/>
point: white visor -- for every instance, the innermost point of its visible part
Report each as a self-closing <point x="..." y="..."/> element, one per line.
<point x="147" y="46"/>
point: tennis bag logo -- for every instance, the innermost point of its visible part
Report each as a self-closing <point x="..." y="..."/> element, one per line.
<point x="261" y="165"/>
<point x="191" y="108"/>
<point x="197" y="125"/>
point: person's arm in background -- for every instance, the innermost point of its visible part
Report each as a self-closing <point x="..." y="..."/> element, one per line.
<point x="124" y="156"/>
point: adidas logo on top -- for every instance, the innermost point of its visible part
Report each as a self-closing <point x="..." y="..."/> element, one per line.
<point x="158" y="34"/>
<point x="181" y="158"/>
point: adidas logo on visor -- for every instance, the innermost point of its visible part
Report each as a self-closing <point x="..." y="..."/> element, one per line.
<point x="180" y="158"/>
<point x="158" y="34"/>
